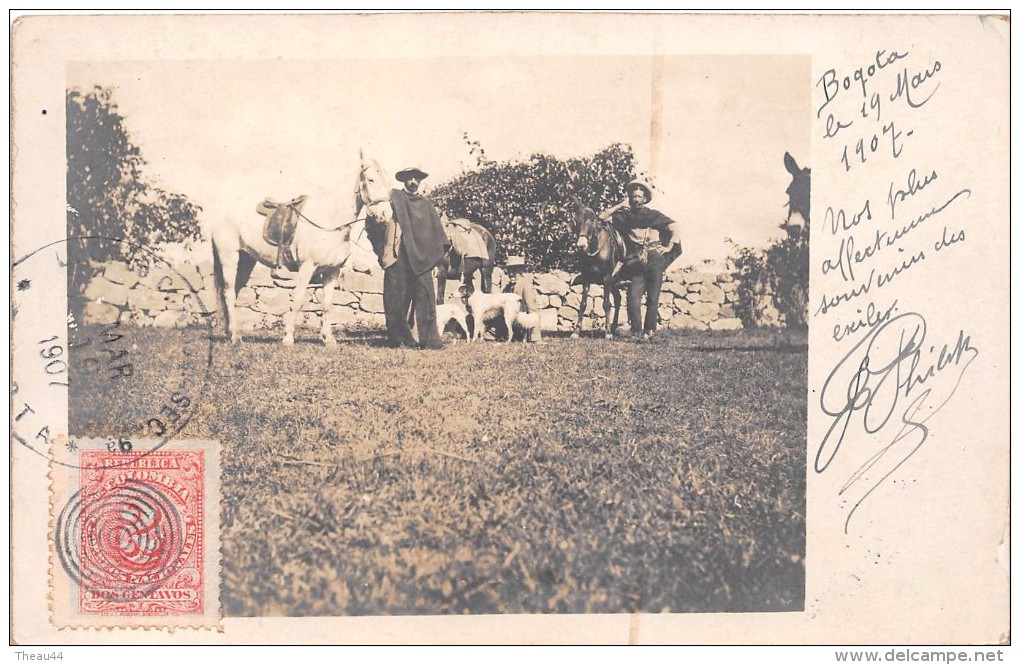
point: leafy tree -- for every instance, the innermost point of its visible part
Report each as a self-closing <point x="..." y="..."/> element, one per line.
<point x="529" y="206"/>
<point x="109" y="197"/>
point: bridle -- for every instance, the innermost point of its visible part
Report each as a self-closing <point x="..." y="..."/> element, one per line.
<point x="613" y="240"/>
<point x="596" y="224"/>
<point x="366" y="203"/>
<point x="366" y="206"/>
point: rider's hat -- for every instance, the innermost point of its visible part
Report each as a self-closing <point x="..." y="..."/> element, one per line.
<point x="638" y="184"/>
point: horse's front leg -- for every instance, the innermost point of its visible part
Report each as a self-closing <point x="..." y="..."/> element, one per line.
<point x="580" y="311"/>
<point x="231" y="270"/>
<point x="304" y="276"/>
<point x="328" y="287"/>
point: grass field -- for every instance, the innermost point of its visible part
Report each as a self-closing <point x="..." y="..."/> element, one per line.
<point x="580" y="476"/>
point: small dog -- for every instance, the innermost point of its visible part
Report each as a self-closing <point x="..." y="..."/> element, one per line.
<point x="530" y="324"/>
<point x="487" y="306"/>
<point x="451" y="312"/>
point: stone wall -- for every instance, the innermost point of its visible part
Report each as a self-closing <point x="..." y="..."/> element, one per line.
<point x="185" y="296"/>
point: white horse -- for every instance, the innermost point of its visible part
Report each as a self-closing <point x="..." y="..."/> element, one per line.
<point x="322" y="241"/>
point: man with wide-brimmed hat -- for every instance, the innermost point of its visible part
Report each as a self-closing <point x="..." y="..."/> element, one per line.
<point x="415" y="242"/>
<point x="530" y="318"/>
<point x="652" y="243"/>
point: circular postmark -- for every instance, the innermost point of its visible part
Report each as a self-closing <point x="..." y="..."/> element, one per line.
<point x="132" y="537"/>
<point x="96" y="357"/>
<point x="125" y="538"/>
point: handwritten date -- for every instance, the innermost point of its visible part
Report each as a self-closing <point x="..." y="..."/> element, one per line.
<point x="831" y="83"/>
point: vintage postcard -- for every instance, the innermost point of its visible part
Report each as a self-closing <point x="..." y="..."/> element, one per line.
<point x="510" y="327"/>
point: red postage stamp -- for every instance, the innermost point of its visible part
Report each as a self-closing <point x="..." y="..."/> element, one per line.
<point x="142" y="533"/>
<point x="136" y="536"/>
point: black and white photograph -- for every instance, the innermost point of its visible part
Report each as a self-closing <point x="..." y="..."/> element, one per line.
<point x="505" y="316"/>
<point x="500" y="337"/>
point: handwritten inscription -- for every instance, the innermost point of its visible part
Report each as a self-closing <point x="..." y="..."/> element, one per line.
<point x="831" y="83"/>
<point x="891" y="379"/>
<point x="913" y="186"/>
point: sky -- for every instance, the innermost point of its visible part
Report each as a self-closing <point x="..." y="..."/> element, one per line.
<point x="710" y="130"/>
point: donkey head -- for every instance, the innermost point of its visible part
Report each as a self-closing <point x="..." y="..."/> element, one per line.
<point x="799" y="196"/>
<point x="586" y="224"/>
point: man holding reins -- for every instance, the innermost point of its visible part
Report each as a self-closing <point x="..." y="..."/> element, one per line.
<point x="415" y="242"/>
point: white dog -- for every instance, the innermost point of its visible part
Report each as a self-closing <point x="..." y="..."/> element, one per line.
<point x="487" y="306"/>
<point x="531" y="324"/>
<point x="451" y="312"/>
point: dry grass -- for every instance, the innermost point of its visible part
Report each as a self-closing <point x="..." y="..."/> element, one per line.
<point x="581" y="476"/>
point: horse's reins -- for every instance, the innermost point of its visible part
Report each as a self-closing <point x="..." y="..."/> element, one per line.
<point x="354" y="221"/>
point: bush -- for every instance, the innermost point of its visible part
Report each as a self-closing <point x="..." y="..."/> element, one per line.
<point x="776" y="276"/>
<point x="529" y="206"/>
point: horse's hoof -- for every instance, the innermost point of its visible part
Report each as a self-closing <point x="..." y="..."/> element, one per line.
<point x="288" y="340"/>
<point x="575" y="335"/>
<point x="609" y="335"/>
<point x="235" y="339"/>
<point x="329" y="341"/>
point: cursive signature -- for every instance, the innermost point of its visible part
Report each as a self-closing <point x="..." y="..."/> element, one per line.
<point x="890" y="378"/>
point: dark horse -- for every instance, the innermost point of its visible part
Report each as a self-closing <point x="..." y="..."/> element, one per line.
<point x="600" y="252"/>
<point x="454" y="263"/>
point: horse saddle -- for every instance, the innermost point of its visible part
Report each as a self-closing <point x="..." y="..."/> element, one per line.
<point x="281" y="222"/>
<point x="281" y="219"/>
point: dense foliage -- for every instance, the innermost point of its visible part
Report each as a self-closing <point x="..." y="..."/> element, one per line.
<point x="530" y="205"/>
<point x="773" y="278"/>
<point x="110" y="199"/>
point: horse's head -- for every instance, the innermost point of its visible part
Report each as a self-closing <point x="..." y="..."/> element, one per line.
<point x="799" y="193"/>
<point x="586" y="225"/>
<point x="374" y="190"/>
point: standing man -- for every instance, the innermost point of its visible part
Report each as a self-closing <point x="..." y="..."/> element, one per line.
<point x="414" y="244"/>
<point x="652" y="243"/>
